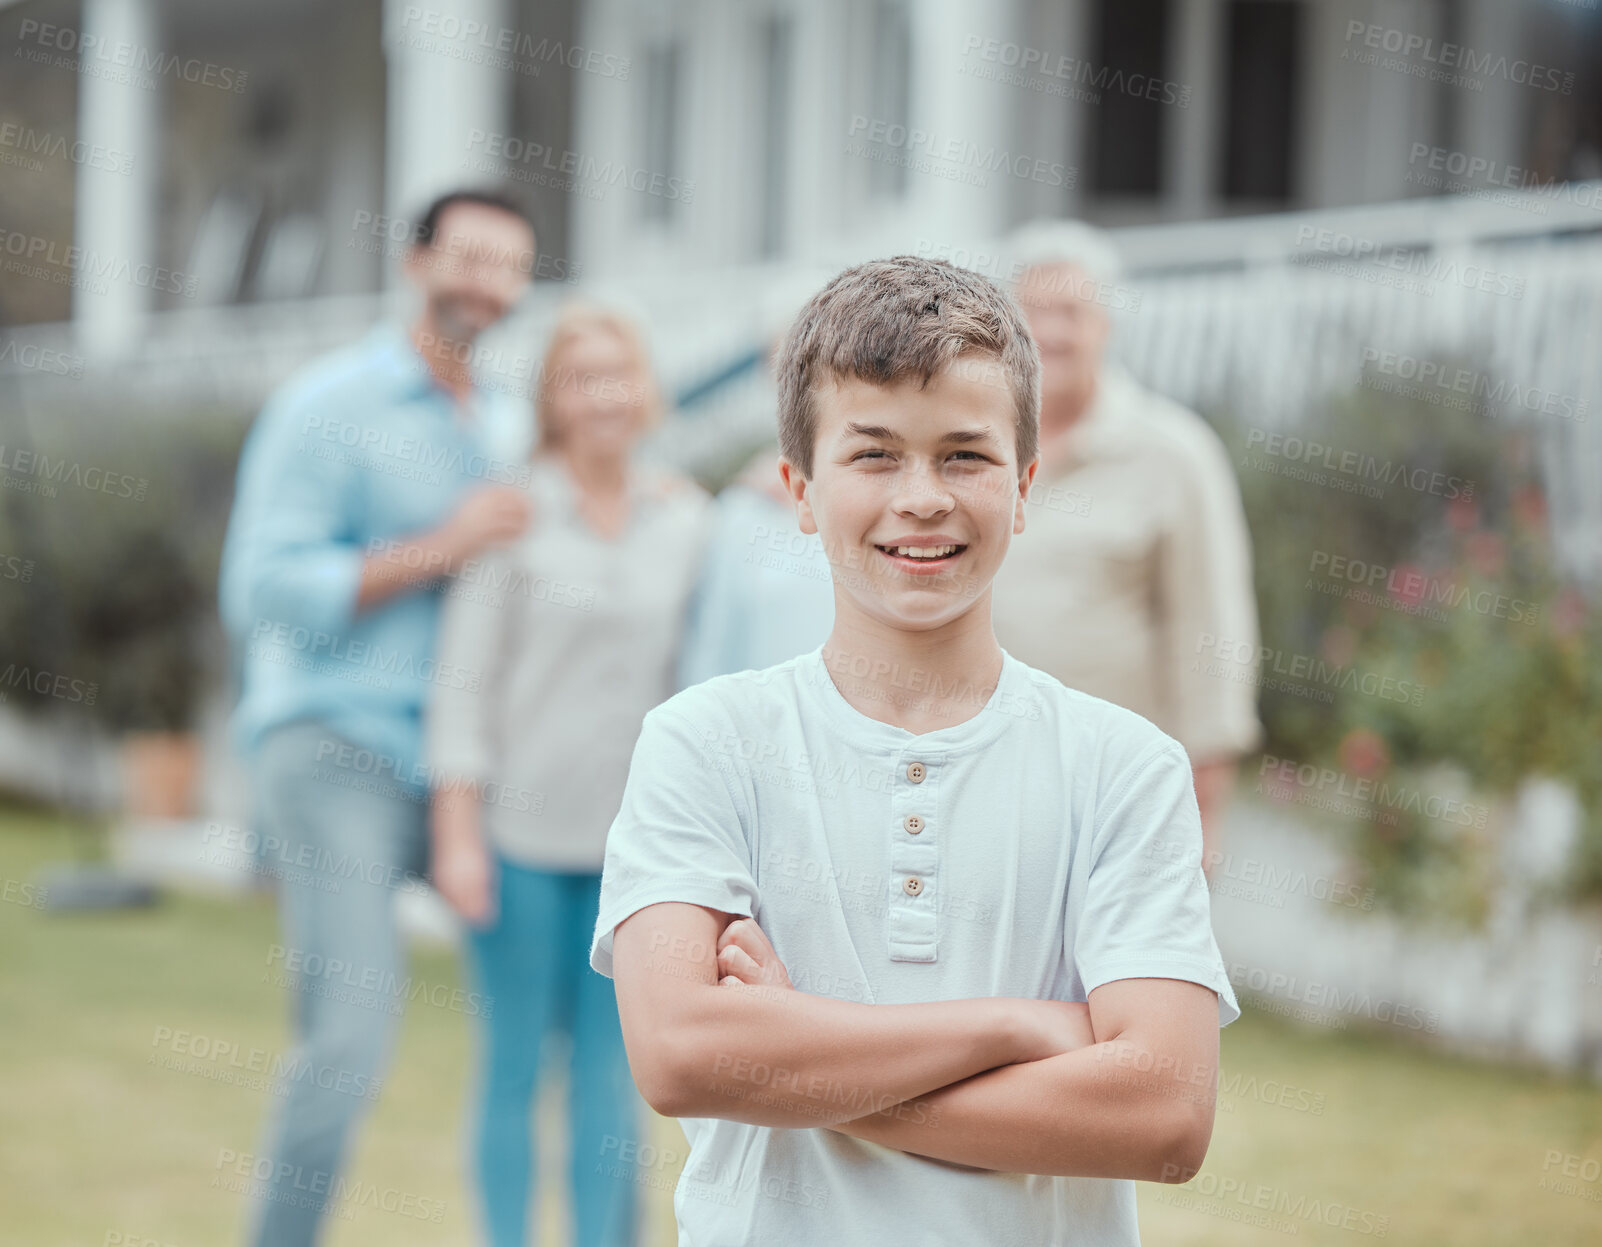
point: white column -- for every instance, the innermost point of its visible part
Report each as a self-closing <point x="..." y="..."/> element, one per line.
<point x="1492" y="121"/>
<point x="115" y="212"/>
<point x="437" y="100"/>
<point x="971" y="112"/>
<point x="1193" y="146"/>
<point x="1051" y="127"/>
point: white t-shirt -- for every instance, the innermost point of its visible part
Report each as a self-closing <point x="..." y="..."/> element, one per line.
<point x="1059" y="848"/>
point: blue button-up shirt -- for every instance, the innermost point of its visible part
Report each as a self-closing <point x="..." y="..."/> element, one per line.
<point x="359" y="450"/>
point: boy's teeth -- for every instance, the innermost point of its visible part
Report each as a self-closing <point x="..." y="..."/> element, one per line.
<point x="924" y="552"/>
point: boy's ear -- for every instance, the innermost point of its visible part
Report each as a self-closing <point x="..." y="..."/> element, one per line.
<point x="798" y="487"/>
<point x="1026" y="479"/>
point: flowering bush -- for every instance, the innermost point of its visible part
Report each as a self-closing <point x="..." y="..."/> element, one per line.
<point x="1420" y="553"/>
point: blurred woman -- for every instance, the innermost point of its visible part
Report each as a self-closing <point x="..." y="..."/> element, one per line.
<point x="552" y="650"/>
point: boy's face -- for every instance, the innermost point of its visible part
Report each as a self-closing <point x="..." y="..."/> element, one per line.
<point x="927" y="467"/>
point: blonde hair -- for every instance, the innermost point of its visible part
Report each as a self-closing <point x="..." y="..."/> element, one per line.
<point x="579" y="319"/>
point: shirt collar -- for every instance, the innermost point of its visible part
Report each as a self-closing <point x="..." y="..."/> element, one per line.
<point x="850" y="725"/>
<point x="399" y="361"/>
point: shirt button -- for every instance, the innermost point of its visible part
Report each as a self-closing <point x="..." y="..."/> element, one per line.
<point x="915" y="772"/>
<point x="912" y="886"/>
<point x="913" y="824"/>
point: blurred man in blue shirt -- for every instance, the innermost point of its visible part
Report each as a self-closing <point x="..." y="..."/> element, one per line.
<point x="367" y="478"/>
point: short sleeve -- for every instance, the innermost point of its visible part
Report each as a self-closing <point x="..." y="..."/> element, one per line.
<point x="679" y="835"/>
<point x="472" y="628"/>
<point x="1147" y="912"/>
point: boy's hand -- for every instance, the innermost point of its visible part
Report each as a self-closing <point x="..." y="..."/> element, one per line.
<point x="1050" y="1028"/>
<point x="745" y="956"/>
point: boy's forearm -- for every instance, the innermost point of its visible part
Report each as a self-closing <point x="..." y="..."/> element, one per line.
<point x="790" y="1059"/>
<point x="1095" y="1113"/>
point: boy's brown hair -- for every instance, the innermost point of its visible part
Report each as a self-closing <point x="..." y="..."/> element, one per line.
<point x="889" y="321"/>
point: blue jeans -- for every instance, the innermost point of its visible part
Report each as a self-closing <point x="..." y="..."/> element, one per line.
<point x="534" y="965"/>
<point x="342" y="844"/>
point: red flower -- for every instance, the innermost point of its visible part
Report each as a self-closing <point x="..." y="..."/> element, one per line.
<point x="1363" y="752"/>
<point x="1488" y="553"/>
<point x="1529" y="509"/>
<point x="1407" y="583"/>
<point x="1463" y="513"/>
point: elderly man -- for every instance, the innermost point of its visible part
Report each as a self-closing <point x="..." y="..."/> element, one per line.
<point x="1136" y="550"/>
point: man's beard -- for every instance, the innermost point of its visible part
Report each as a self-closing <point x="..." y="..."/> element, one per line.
<point x="452" y="323"/>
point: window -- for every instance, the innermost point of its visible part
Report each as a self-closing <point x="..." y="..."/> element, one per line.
<point x="1126" y="136"/>
<point x="1262" y="40"/>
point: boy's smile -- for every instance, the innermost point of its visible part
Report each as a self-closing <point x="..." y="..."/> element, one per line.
<point x="918" y="486"/>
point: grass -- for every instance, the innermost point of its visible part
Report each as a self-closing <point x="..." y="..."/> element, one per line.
<point x="1333" y="1135"/>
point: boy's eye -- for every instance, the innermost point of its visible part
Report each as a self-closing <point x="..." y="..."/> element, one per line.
<point x="972" y="454"/>
<point x="866" y="454"/>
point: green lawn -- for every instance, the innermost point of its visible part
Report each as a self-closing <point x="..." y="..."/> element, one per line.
<point x="96" y="1140"/>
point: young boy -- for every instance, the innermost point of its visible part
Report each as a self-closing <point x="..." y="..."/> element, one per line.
<point x="896" y="926"/>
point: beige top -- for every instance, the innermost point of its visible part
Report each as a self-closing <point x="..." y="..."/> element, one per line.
<point x="570" y="638"/>
<point x="1134" y="571"/>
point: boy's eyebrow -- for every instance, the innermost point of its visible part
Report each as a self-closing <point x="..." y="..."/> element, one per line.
<point x="880" y="433"/>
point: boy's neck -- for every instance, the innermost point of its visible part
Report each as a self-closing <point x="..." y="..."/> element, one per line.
<point x="918" y="681"/>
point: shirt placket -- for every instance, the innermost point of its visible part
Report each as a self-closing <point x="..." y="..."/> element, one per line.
<point x="911" y="930"/>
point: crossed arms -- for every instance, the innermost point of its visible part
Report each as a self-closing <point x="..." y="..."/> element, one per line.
<point x="1121" y="1087"/>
